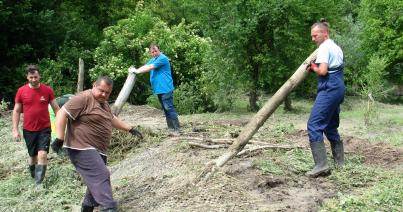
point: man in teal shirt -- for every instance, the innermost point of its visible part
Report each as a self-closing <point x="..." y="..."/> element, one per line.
<point x="161" y="83"/>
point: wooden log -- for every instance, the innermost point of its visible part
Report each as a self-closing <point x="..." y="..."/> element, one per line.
<point x="80" y="81"/>
<point x="124" y="94"/>
<point x="266" y="111"/>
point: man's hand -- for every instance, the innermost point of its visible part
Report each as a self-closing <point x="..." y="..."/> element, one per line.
<point x="16" y="135"/>
<point x="132" y="69"/>
<point x="57" y="145"/>
<point x="135" y="132"/>
<point x="313" y="67"/>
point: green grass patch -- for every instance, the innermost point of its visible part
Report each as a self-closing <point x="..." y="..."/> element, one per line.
<point x="268" y="166"/>
<point x="355" y="174"/>
<point x="385" y="195"/>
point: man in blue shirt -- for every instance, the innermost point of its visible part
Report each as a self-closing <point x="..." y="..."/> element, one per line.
<point x="324" y="118"/>
<point x="161" y="83"/>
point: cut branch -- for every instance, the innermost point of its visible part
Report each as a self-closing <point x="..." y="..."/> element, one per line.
<point x="207" y="146"/>
<point x="268" y="147"/>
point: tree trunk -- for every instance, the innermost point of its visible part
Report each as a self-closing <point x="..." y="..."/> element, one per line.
<point x="253" y="100"/>
<point x="80" y="83"/>
<point x="288" y="104"/>
<point x="265" y="112"/>
<point x="124" y="94"/>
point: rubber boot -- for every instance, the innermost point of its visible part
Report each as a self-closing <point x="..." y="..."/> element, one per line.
<point x="109" y="210"/>
<point x="169" y="123"/>
<point x="338" y="153"/>
<point x="40" y="171"/>
<point x="176" y="125"/>
<point x="319" y="156"/>
<point x="32" y="170"/>
<point x="85" y="208"/>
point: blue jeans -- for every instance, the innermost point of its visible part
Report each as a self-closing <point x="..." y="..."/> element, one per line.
<point x="167" y="104"/>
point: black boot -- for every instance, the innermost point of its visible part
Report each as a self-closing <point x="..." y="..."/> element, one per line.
<point x="32" y="170"/>
<point x="85" y="208"/>
<point x="338" y="153"/>
<point x="319" y="156"/>
<point x="40" y="171"/>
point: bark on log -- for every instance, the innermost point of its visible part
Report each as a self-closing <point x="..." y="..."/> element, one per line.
<point x="265" y="112"/>
<point x="80" y="82"/>
<point x="124" y="94"/>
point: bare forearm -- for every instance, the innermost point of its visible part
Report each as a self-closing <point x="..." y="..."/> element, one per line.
<point x="119" y="124"/>
<point x="60" y="124"/>
<point x="145" y="69"/>
<point x="16" y="120"/>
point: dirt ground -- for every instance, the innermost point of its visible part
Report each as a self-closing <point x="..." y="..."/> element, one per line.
<point x="165" y="177"/>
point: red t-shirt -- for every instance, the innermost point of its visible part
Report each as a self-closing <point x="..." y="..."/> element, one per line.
<point x="35" y="106"/>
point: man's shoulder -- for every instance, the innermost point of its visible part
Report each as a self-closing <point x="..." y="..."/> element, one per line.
<point x="23" y="87"/>
<point x="46" y="87"/>
<point x="163" y="56"/>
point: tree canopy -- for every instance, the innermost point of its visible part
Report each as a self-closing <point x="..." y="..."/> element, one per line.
<point x="218" y="49"/>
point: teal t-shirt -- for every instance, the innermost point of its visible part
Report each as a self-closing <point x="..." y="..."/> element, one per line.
<point x="160" y="76"/>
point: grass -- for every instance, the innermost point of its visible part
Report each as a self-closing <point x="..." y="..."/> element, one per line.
<point x="385" y="195"/>
<point x="361" y="187"/>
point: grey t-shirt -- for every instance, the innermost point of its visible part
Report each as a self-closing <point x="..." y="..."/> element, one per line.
<point x="89" y="123"/>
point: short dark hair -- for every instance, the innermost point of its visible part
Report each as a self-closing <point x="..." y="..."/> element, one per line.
<point x="105" y="79"/>
<point x="321" y="24"/>
<point x="31" y="69"/>
<point x="153" y="45"/>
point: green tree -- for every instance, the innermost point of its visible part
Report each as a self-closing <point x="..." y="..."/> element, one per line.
<point x="263" y="42"/>
<point x="382" y="36"/>
<point x="126" y="44"/>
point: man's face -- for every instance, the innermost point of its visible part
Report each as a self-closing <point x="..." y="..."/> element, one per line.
<point x="154" y="51"/>
<point x="318" y="35"/>
<point x="33" y="79"/>
<point x="101" y="92"/>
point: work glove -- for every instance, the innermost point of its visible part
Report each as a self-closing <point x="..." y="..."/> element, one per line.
<point x="136" y="133"/>
<point x="312" y="67"/>
<point x="57" y="145"/>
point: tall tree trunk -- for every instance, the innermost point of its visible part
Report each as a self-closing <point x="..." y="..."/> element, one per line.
<point x="288" y="103"/>
<point x="124" y="94"/>
<point x="253" y="93"/>
<point x="265" y="112"/>
<point x="80" y="83"/>
<point x="253" y="100"/>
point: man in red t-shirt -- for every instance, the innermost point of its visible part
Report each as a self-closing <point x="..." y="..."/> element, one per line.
<point x="32" y="100"/>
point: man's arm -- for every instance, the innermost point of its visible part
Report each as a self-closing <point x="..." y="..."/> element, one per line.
<point x="320" y="70"/>
<point x="142" y="69"/>
<point x="119" y="124"/>
<point x="54" y="105"/>
<point x="60" y="124"/>
<point x="16" y="120"/>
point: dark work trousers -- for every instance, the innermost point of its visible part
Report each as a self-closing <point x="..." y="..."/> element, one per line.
<point x="92" y="167"/>
<point x="324" y="116"/>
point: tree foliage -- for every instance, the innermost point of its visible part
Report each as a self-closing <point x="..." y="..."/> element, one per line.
<point x="126" y="43"/>
<point x="219" y="48"/>
<point x="382" y="36"/>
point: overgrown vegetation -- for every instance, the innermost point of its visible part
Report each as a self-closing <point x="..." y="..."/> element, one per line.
<point x="361" y="186"/>
<point x="218" y="49"/>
